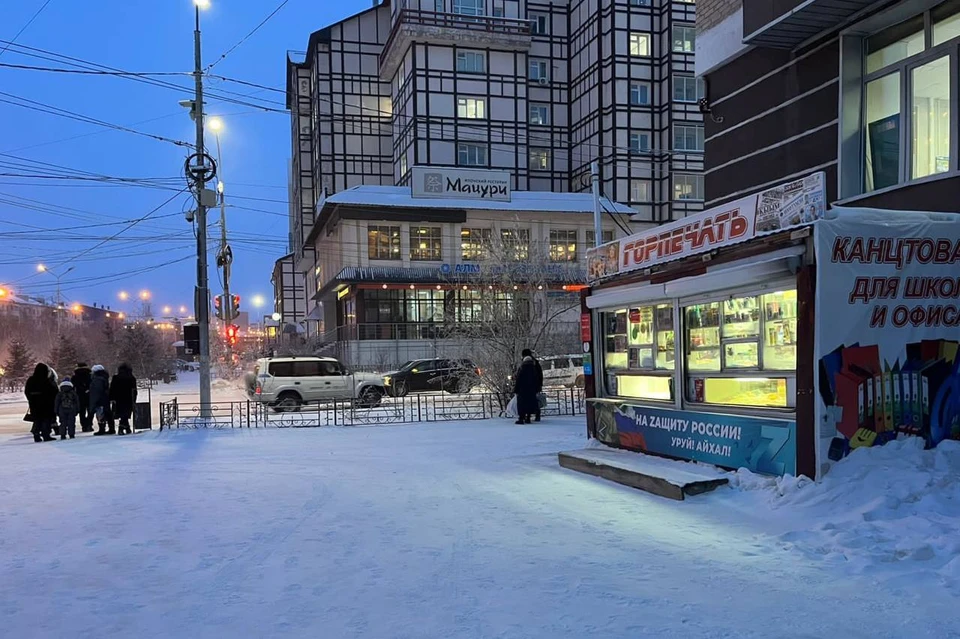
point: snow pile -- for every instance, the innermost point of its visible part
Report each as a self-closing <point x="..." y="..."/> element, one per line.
<point x="890" y="511"/>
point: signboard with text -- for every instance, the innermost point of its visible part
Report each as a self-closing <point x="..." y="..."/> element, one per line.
<point x="762" y="445"/>
<point x="782" y="207"/>
<point x="459" y="184"/>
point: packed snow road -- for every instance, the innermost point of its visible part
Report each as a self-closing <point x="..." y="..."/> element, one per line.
<point x="433" y="530"/>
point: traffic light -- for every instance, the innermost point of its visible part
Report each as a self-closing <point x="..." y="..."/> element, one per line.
<point x="231" y="334"/>
<point x="235" y="308"/>
<point x="218" y="306"/>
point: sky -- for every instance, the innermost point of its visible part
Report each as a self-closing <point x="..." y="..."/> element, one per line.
<point x="85" y="225"/>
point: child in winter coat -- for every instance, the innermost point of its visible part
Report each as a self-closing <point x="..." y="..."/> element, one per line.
<point x="67" y="407"/>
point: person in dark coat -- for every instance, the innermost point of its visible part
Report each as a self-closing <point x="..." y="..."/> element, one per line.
<point x="67" y="408"/>
<point x="100" y="399"/>
<point x="123" y="394"/>
<point x="81" y="382"/>
<point x="525" y="388"/>
<point x="528" y="353"/>
<point x="41" y="392"/>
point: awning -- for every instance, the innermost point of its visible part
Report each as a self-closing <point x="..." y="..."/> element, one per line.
<point x="785" y="24"/>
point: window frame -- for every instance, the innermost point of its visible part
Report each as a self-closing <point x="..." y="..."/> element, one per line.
<point x="480" y="6"/>
<point x="531" y="106"/>
<point x="647" y="184"/>
<point x="478" y="146"/>
<point x="688" y="29"/>
<point x="606" y="236"/>
<point x="392" y="255"/>
<point x="640" y="85"/>
<point x="542" y="153"/>
<point x="479" y="106"/>
<point x="538" y="19"/>
<point x="434" y="251"/>
<point x="639" y="148"/>
<point x="699" y="136"/>
<point x="673" y="187"/>
<point x="465" y="54"/>
<point x="634" y="42"/>
<point x="479" y="241"/>
<point x="543" y="69"/>
<point x="559" y="243"/>
<point x="699" y="88"/>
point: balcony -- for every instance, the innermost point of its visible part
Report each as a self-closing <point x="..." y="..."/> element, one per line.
<point x="785" y="24"/>
<point x="509" y="34"/>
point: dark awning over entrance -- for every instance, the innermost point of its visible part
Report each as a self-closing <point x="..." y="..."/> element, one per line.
<point x="785" y="24"/>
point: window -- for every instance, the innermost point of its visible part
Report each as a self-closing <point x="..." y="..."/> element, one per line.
<point x="439" y="6"/>
<point x="930" y="126"/>
<point x="639" y="190"/>
<point x="640" y="44"/>
<point x="539" y="24"/>
<point x="883" y="132"/>
<point x="539" y="159"/>
<point x="538" y="70"/>
<point x="471" y="154"/>
<point x="687" y="88"/>
<point x="606" y="236"/>
<point x="640" y="94"/>
<point x="640" y="3"/>
<point x="563" y="246"/>
<point x="687" y="187"/>
<point x="516" y="243"/>
<point x="471" y="62"/>
<point x="475" y="244"/>
<point x="471" y="108"/>
<point x="895" y="44"/>
<point x="640" y="352"/>
<point x="383" y="242"/>
<point x="748" y="334"/>
<point x="425" y="243"/>
<point x="498" y="12"/>
<point x="468" y="7"/>
<point x="403" y="163"/>
<point x="539" y="114"/>
<point x="639" y="142"/>
<point x="684" y="39"/>
<point x="307" y="368"/>
<point x="687" y="137"/>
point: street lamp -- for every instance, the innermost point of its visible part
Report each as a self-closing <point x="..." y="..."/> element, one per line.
<point x="202" y="4"/>
<point x="124" y="296"/>
<point x="41" y="268"/>
<point x="183" y="310"/>
<point x="276" y="317"/>
<point x="166" y="310"/>
<point x="257" y="301"/>
<point x="144" y="295"/>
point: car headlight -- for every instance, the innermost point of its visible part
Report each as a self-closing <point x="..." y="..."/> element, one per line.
<point x="386" y="380"/>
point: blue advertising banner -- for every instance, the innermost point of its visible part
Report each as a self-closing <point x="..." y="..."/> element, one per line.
<point x="762" y="445"/>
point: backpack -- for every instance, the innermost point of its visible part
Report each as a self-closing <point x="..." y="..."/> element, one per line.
<point x="70" y="402"/>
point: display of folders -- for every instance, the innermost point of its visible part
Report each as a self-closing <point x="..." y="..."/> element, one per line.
<point x="932" y="377"/>
<point x="851" y="397"/>
<point x="908" y="398"/>
<point x="948" y="350"/>
<point x="896" y="394"/>
<point x="830" y="365"/>
<point x="865" y="392"/>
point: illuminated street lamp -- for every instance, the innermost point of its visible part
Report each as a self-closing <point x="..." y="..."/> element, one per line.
<point x="144" y="295"/>
<point x="257" y="300"/>
<point x="166" y="310"/>
<point x="124" y="296"/>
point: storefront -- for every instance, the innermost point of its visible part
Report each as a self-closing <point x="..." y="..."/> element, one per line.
<point x="773" y="335"/>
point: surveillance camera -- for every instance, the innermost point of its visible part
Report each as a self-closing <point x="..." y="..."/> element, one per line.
<point x="186" y="104"/>
<point x="189" y="216"/>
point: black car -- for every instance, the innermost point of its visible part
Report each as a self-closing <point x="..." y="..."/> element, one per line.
<point x="450" y="375"/>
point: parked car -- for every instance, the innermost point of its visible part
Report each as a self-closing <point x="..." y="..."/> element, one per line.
<point x="287" y="383"/>
<point x="184" y="365"/>
<point x="562" y="370"/>
<point x="450" y="375"/>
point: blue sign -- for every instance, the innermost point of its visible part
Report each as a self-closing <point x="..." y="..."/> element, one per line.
<point x="762" y="445"/>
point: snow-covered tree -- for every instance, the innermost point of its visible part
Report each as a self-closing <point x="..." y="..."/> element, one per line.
<point x="19" y="364"/>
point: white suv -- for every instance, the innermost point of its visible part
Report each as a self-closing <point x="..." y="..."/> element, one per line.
<point x="562" y="370"/>
<point x="287" y="383"/>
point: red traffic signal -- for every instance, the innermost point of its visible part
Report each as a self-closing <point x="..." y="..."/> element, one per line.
<point x="218" y="306"/>
<point x="231" y="334"/>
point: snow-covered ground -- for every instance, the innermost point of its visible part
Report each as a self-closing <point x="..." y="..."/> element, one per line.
<point x="453" y="530"/>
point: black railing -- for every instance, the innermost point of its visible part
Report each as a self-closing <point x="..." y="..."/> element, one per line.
<point x="413" y="408"/>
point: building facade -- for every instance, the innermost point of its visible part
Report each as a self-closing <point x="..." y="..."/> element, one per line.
<point x="538" y="89"/>
<point x="863" y="90"/>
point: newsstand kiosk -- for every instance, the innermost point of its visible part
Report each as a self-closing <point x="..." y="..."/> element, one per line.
<point x="774" y="335"/>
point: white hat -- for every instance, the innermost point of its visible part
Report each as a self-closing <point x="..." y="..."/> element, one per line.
<point x="97" y="367"/>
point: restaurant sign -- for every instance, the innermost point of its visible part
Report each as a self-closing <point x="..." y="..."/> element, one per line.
<point x="782" y="207"/>
<point x="460" y="184"/>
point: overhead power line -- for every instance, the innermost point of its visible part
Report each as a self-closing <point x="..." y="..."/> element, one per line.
<point x="35" y="15"/>
<point x="248" y="36"/>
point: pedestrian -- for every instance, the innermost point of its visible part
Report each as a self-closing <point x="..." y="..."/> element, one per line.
<point x="525" y="388"/>
<point x="100" y="399"/>
<point x="67" y="408"/>
<point x="123" y="395"/>
<point x="528" y="353"/>
<point x="54" y="428"/>
<point x="81" y="382"/>
<point x="41" y="394"/>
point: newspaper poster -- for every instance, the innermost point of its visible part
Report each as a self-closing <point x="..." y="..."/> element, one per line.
<point x="790" y="204"/>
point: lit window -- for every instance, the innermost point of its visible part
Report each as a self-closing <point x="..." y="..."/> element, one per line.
<point x="539" y="114"/>
<point x="383" y="242"/>
<point x="471" y="154"/>
<point x="895" y="44"/>
<point x="606" y="236"/>
<point x="563" y="246"/>
<point x="687" y="186"/>
<point x="516" y="243"/>
<point x="684" y="39"/>
<point x="883" y="132"/>
<point x="639" y="190"/>
<point x="687" y="137"/>
<point x="640" y="93"/>
<point x="471" y="108"/>
<point x="640" y="351"/>
<point x="687" y="88"/>
<point x="538" y="70"/>
<point x="639" y="142"/>
<point x="425" y="243"/>
<point x="640" y="44"/>
<point x="931" y="118"/>
<point x="539" y="159"/>
<point x="475" y="244"/>
<point x="471" y="62"/>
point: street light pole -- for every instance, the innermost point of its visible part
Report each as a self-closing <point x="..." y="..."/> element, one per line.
<point x="203" y="295"/>
<point x="225" y="257"/>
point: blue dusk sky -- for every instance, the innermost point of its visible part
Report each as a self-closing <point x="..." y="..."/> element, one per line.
<point x="86" y="223"/>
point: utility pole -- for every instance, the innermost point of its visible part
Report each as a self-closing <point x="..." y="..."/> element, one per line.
<point x="203" y="294"/>
<point x="225" y="259"/>
<point x="597" y="217"/>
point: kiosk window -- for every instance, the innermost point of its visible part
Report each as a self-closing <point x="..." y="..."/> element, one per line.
<point x="640" y="339"/>
<point x="731" y="343"/>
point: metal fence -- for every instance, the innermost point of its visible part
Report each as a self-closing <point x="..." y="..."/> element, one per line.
<point x="432" y="407"/>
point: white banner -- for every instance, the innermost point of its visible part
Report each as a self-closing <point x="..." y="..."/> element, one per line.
<point x="888" y="321"/>
<point x="463" y="184"/>
<point x="778" y="208"/>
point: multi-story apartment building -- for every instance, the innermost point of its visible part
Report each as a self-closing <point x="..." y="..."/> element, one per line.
<point x="864" y="90"/>
<point x="539" y="89"/>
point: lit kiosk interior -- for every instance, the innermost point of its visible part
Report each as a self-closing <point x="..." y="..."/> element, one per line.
<point x="696" y="327"/>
